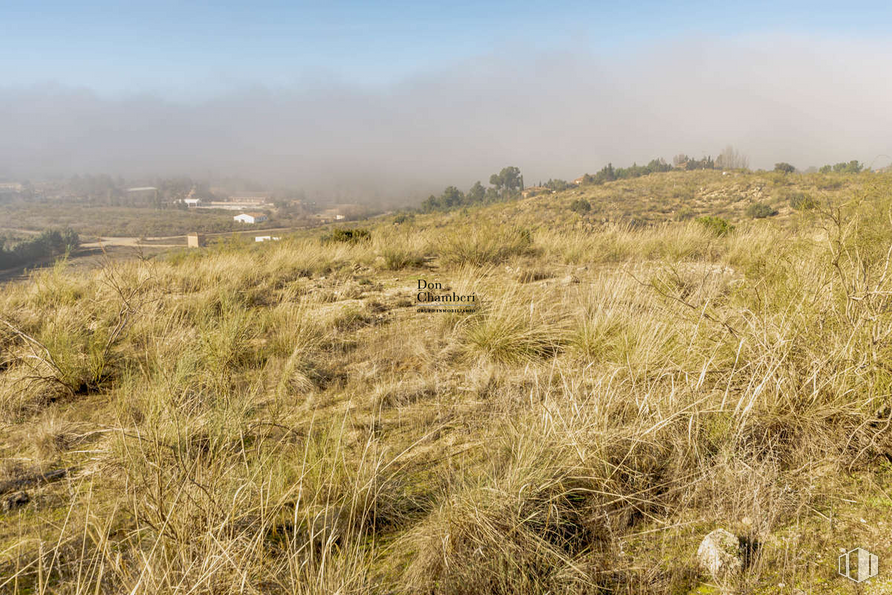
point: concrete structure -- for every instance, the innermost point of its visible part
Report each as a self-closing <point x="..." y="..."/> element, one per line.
<point x="231" y="206"/>
<point x="144" y="190"/>
<point x="194" y="240"/>
<point x="331" y="215"/>
<point x="256" y="198"/>
<point x="266" y="239"/>
<point x="251" y="218"/>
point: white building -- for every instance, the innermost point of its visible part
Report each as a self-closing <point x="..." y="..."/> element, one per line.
<point x="266" y="239"/>
<point x="251" y="218"/>
<point x="192" y="202"/>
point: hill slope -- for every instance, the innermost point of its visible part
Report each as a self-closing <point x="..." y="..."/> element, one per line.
<point x="680" y="195"/>
<point x="286" y="417"/>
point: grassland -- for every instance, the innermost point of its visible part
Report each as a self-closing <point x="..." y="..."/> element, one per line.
<point x="280" y="418"/>
<point x="679" y="196"/>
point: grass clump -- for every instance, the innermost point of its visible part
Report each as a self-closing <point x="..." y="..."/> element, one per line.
<point x="508" y="330"/>
<point x="483" y="244"/>
<point x="718" y="226"/>
<point x="685" y="214"/>
<point x="397" y="258"/>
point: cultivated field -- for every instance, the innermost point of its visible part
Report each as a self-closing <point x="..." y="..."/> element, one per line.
<point x="281" y="417"/>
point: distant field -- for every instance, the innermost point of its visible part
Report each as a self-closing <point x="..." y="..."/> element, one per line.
<point x="126" y="221"/>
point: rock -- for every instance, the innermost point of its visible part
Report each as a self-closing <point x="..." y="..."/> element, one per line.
<point x="720" y="554"/>
<point x="14" y="501"/>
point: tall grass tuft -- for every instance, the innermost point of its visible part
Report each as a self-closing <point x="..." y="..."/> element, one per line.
<point x="483" y="244"/>
<point x="508" y="328"/>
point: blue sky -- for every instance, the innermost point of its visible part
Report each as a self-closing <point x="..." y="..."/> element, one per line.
<point x="192" y="50"/>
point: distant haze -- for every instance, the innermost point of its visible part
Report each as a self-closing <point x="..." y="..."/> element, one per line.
<point x="808" y="101"/>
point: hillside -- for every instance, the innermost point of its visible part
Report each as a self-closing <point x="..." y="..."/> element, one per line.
<point x="285" y="417"/>
<point x="680" y="195"/>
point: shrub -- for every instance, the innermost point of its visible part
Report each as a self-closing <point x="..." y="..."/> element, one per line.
<point x="49" y="243"/>
<point x="716" y="225"/>
<point x="784" y="168"/>
<point x="348" y="235"/>
<point x="760" y="210"/>
<point x="581" y="206"/>
<point x="800" y="201"/>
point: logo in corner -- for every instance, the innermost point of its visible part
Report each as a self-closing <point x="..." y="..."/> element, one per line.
<point x="858" y="565"/>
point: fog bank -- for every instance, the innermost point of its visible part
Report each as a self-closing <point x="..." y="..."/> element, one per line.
<point x="804" y="100"/>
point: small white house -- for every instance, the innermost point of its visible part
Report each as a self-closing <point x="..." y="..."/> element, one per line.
<point x="192" y="202"/>
<point x="266" y="239"/>
<point x="251" y="218"/>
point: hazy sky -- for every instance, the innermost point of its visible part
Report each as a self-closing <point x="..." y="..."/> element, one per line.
<point x="398" y="97"/>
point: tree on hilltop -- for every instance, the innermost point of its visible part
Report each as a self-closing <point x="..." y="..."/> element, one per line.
<point x="507" y="181"/>
<point x="731" y="158"/>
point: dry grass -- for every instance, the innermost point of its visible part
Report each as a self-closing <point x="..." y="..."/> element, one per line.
<point x="273" y="419"/>
<point x="482" y="243"/>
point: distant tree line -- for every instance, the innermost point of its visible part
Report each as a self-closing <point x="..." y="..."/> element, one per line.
<point x="682" y="161"/>
<point x="556" y="185"/>
<point x="844" y="167"/>
<point x="508" y="183"/>
<point x="504" y="185"/>
<point x="729" y="158"/>
<point x="851" y="167"/>
<point x="609" y="173"/>
<point x="49" y="243"/>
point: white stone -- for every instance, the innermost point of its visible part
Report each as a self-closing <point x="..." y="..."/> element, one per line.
<point x="719" y="553"/>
